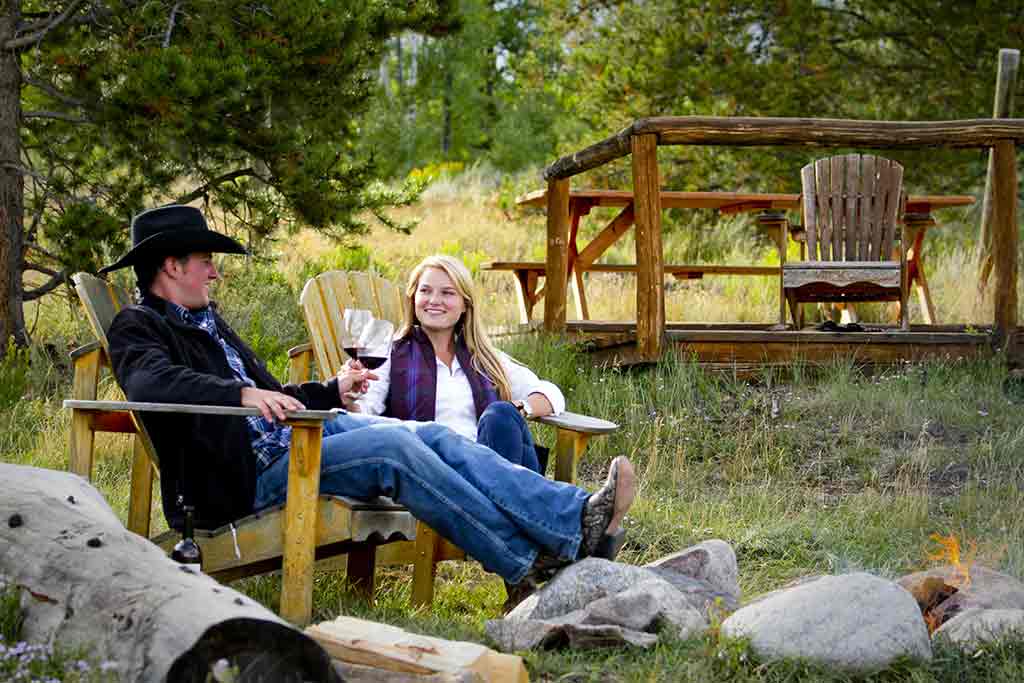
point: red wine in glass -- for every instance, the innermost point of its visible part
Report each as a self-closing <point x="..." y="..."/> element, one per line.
<point x="369" y="362"/>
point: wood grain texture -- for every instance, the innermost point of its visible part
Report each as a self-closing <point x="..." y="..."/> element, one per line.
<point x="1004" y="240"/>
<point x="557" y="255"/>
<point x="89" y="584"/>
<point x="300" y="524"/>
<point x="743" y="131"/>
<point x="650" y="292"/>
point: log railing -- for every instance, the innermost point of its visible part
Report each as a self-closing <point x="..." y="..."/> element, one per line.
<point x="643" y="136"/>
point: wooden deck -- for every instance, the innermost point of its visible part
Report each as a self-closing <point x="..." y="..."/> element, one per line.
<point x="750" y="347"/>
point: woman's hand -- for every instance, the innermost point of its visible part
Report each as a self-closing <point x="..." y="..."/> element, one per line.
<point x="353" y="381"/>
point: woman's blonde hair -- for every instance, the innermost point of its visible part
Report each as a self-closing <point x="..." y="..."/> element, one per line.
<point x="485" y="356"/>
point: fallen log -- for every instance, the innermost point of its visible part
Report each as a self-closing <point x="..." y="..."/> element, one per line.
<point x="88" y="583"/>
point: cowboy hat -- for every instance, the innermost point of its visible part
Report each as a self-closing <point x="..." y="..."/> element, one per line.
<point x="169" y="231"/>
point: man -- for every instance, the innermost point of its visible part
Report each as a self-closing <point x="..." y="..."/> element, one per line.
<point x="174" y="348"/>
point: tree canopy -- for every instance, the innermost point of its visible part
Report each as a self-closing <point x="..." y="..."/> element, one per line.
<point x="253" y="107"/>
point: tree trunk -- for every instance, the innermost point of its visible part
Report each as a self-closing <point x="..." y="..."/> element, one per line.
<point x="12" y="187"/>
<point x="87" y="582"/>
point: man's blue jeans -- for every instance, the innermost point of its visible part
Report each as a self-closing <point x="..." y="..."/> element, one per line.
<point x="502" y="429"/>
<point x="499" y="513"/>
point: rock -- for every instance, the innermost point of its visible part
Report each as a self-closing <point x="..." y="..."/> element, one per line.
<point x="974" y="627"/>
<point x="598" y="603"/>
<point x="858" y="623"/>
<point x="712" y="561"/>
<point x="987" y="589"/>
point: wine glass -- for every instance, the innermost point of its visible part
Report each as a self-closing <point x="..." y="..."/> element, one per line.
<point x="367" y="339"/>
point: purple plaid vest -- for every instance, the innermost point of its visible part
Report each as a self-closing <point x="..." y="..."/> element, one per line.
<point x="413" y="391"/>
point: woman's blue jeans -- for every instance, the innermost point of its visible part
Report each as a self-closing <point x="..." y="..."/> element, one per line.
<point x="499" y="513"/>
<point x="502" y="429"/>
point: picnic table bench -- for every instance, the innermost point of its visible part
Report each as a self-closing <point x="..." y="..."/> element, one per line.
<point x="771" y="208"/>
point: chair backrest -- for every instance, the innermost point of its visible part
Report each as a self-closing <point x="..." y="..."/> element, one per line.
<point x="851" y="205"/>
<point x="324" y="300"/>
<point x="101" y="301"/>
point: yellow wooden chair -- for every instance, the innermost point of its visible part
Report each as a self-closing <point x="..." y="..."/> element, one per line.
<point x="290" y="537"/>
<point x="324" y="300"/>
<point x="852" y="206"/>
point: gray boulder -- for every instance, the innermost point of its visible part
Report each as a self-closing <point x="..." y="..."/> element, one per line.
<point x="596" y="603"/>
<point x="975" y="627"/>
<point x="858" y="623"/>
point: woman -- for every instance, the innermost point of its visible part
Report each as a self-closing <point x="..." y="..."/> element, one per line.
<point x="444" y="368"/>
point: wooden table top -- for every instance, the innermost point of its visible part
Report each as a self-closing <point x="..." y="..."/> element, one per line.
<point x="728" y="202"/>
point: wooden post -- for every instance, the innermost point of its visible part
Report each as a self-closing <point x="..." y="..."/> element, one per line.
<point x="86" y="379"/>
<point x="1006" y="84"/>
<point x="425" y="567"/>
<point x="650" y="275"/>
<point x="1004" y="241"/>
<point x="300" y="522"/>
<point x="556" y="273"/>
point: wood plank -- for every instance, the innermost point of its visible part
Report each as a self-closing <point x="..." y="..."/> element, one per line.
<point x="140" y="406"/>
<point x="837" y="173"/>
<point x="798" y="275"/>
<point x="725" y="201"/>
<point x="852" y="227"/>
<point x="557" y="255"/>
<point x="1004" y="240"/>
<point x="424" y="570"/>
<point x="650" y="289"/>
<point x="397" y="651"/>
<point x="696" y="269"/>
<point x="300" y="524"/>
<point x="607" y="237"/>
<point x="300" y="363"/>
<point x="810" y="210"/>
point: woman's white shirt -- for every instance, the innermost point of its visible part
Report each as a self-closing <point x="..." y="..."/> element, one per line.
<point x="454" y="406"/>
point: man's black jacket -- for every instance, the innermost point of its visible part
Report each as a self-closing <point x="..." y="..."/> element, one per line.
<point x="208" y="459"/>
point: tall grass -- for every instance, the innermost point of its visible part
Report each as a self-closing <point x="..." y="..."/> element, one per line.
<point x="803" y="470"/>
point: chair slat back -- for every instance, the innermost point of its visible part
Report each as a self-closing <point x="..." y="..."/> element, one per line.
<point x="851" y="204"/>
<point x="324" y="300"/>
<point x="102" y="300"/>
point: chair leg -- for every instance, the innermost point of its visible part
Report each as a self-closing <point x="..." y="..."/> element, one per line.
<point x="569" y="447"/>
<point x="425" y="567"/>
<point x="142" y="490"/>
<point x="360" y="569"/>
<point x="795" y="311"/>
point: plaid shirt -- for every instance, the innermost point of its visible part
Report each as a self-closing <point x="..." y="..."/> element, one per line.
<point x="270" y="440"/>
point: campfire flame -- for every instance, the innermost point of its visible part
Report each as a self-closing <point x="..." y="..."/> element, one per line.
<point x="949" y="552"/>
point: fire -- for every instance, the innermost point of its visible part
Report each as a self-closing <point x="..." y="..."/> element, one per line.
<point x="949" y="551"/>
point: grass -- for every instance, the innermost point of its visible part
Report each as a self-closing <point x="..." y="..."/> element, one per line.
<point x="804" y="471"/>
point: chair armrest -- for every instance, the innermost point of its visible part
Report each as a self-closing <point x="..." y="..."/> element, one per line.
<point x="300" y="349"/>
<point x="190" y="408"/>
<point x="583" y="424"/>
<point x="84" y="349"/>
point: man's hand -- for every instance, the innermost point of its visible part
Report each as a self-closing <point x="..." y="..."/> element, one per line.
<point x="353" y="379"/>
<point x="272" y="404"/>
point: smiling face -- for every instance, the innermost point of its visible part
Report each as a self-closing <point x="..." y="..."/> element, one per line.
<point x="187" y="283"/>
<point x="437" y="301"/>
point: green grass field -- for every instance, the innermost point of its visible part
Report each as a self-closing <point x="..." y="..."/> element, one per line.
<point x="804" y="471"/>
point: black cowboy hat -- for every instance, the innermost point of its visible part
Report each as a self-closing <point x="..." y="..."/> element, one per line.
<point x="171" y="230"/>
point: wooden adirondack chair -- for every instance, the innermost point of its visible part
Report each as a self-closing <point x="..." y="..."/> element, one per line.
<point x="324" y="300"/>
<point x="852" y="206"/>
<point x="289" y="537"/>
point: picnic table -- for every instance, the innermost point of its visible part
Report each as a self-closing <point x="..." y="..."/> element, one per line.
<point x="771" y="208"/>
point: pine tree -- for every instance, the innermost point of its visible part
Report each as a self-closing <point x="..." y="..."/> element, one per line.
<point x="110" y="106"/>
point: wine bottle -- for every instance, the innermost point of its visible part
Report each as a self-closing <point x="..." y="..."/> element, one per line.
<point x="187" y="551"/>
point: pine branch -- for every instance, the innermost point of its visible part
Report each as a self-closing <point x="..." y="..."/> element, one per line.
<point x="204" y="189"/>
<point x="170" y="24"/>
<point x="53" y="92"/>
<point x="55" y="281"/>
<point x="54" y="115"/>
<point x="37" y="35"/>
